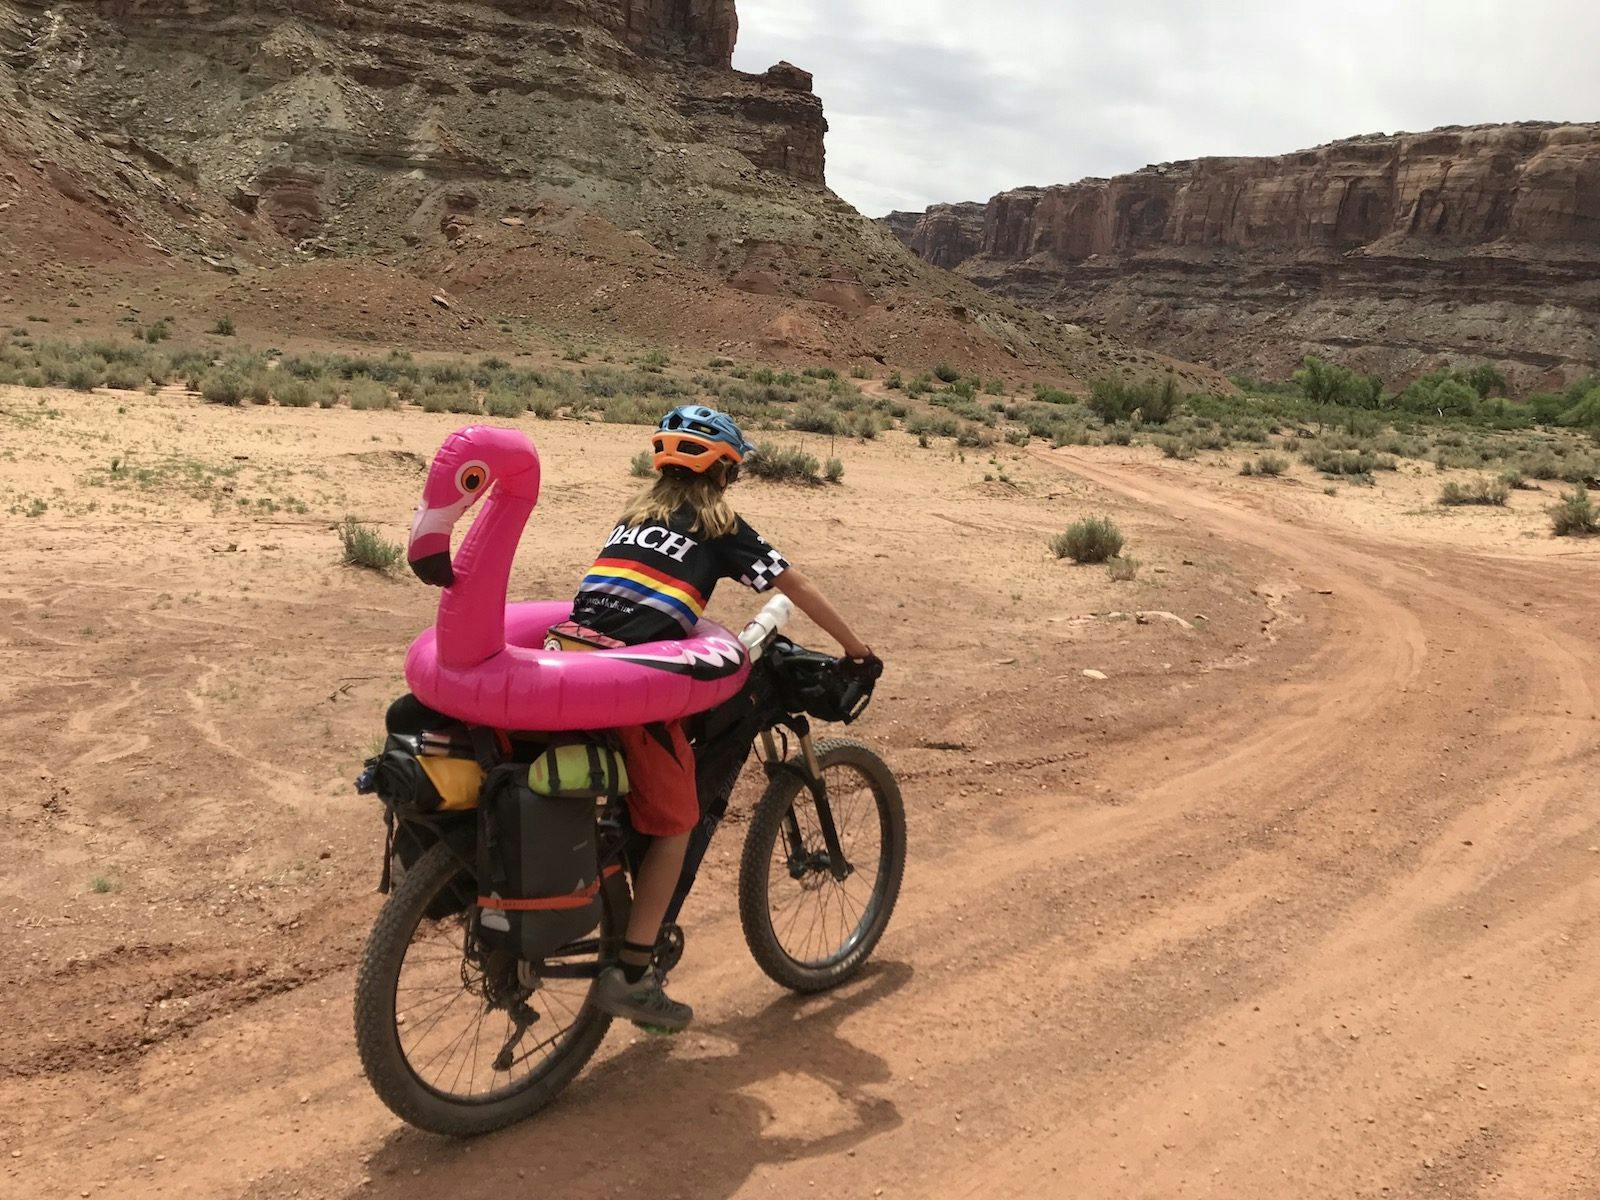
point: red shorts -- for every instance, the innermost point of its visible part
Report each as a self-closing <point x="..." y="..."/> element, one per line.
<point x="663" y="801"/>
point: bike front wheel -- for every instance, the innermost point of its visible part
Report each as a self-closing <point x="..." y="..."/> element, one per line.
<point x="809" y="922"/>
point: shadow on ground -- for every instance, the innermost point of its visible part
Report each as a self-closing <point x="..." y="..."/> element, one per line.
<point x="687" y="1117"/>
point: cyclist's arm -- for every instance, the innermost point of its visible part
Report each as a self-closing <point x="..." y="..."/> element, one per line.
<point x="816" y="606"/>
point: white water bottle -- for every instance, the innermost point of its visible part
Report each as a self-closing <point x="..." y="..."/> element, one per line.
<point x="773" y="616"/>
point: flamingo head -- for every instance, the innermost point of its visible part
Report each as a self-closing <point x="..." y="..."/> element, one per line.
<point x="471" y="462"/>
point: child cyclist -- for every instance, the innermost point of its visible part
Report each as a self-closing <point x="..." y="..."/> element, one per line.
<point x="654" y="577"/>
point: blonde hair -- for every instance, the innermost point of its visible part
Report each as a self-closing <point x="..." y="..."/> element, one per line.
<point x="713" y="515"/>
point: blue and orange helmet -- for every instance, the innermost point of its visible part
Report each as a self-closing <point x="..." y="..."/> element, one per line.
<point x="696" y="438"/>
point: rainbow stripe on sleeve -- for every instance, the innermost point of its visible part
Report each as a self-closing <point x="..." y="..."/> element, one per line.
<point x="639" y="583"/>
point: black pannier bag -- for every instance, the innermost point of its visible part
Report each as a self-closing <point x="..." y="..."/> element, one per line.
<point x="538" y="866"/>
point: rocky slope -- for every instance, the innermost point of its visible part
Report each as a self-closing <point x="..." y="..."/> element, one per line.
<point x="580" y="167"/>
<point x="1393" y="254"/>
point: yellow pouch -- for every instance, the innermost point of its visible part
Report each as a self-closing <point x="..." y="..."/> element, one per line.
<point x="457" y="780"/>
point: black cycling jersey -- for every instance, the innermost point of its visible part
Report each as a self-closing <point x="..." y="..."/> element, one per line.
<point x="652" y="581"/>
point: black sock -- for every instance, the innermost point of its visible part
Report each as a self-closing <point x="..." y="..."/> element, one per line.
<point x="635" y="960"/>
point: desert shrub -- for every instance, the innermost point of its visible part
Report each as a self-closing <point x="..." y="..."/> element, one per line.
<point x="629" y="410"/>
<point x="813" y="418"/>
<point x="833" y="470"/>
<point x="223" y="327"/>
<point x="1119" y="435"/>
<point x="543" y="404"/>
<point x="971" y="436"/>
<point x="867" y="426"/>
<point x="1485" y="379"/>
<point x="364" y="547"/>
<point x="367" y="395"/>
<point x="642" y="465"/>
<point x="1480" y="491"/>
<point x="820" y="373"/>
<point x="1440" y="393"/>
<point x="1585" y="413"/>
<point x="925" y="425"/>
<point x="1123" y="569"/>
<point x="1018" y="437"/>
<point x="504" y="404"/>
<point x="921" y="385"/>
<point x="1091" y="540"/>
<point x="223" y="387"/>
<point x="1154" y="403"/>
<point x="257" y="386"/>
<point x="158" y="332"/>
<point x="894" y="382"/>
<point x="1575" y="516"/>
<point x="1180" y="448"/>
<point x="124" y="377"/>
<point x="298" y="393"/>
<point x="83" y="376"/>
<point x="1515" y="479"/>
<point x="1271" y="464"/>
<point x="1112" y="401"/>
<point x="785" y="464"/>
<point x="1332" y="461"/>
<point x="1160" y="401"/>
<point x="609" y="381"/>
<point x="945" y="373"/>
<point x="1050" y="395"/>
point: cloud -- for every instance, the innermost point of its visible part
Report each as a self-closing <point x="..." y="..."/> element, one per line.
<point x="932" y="100"/>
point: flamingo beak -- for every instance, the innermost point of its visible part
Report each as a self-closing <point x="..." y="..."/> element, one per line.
<point x="434" y="569"/>
<point x="429" y="548"/>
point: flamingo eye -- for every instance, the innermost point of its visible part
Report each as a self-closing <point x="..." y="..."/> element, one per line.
<point x="471" y="478"/>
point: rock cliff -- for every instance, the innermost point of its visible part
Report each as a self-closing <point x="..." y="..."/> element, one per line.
<point x="1393" y="254"/>
<point x="581" y="167"/>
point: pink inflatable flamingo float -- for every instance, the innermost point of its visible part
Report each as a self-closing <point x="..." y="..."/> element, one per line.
<point x="483" y="660"/>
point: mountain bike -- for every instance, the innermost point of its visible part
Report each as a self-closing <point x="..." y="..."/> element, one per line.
<point x="460" y="1038"/>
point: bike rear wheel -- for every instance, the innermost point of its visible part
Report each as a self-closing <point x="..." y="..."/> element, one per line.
<point x="807" y="929"/>
<point x="437" y="1029"/>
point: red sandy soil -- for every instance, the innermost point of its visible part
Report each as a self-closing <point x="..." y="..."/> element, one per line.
<point x="1299" y="902"/>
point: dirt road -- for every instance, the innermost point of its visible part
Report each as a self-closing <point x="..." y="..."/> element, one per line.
<point x="1334" y="940"/>
<point x="1313" y="917"/>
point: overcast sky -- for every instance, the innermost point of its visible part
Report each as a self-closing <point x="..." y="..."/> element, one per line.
<point x="934" y="100"/>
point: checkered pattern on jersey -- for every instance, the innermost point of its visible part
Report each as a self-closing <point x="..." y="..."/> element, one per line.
<point x="761" y="573"/>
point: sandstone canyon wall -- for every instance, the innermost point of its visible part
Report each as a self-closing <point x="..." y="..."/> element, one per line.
<point x="1392" y="254"/>
<point x="572" y="168"/>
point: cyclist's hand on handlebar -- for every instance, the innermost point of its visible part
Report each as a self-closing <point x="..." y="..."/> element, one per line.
<point x="865" y="666"/>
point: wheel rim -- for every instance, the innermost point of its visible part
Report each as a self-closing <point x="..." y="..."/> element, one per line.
<point x="453" y="1017"/>
<point x="819" y="921"/>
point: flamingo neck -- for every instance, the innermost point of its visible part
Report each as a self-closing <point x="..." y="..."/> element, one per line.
<point x="471" y="625"/>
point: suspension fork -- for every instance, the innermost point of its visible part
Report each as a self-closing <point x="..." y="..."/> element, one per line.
<point x="811" y="775"/>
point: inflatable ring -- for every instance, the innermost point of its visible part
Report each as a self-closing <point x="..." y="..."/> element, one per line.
<point x="483" y="660"/>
